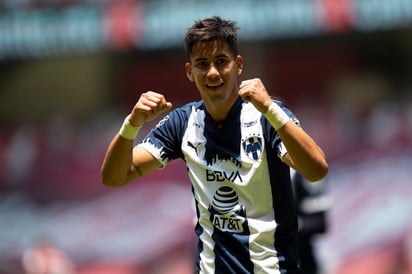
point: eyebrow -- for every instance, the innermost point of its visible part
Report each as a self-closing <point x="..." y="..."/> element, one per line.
<point x="204" y="58"/>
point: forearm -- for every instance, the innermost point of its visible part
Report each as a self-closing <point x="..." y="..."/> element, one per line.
<point x="121" y="164"/>
<point x="304" y="154"/>
<point x="117" y="162"/>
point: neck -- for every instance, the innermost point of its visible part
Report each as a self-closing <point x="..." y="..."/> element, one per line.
<point x="219" y="111"/>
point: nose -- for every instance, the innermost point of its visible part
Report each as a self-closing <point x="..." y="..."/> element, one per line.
<point x="213" y="71"/>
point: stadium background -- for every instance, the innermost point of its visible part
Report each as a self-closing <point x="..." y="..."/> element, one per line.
<point x="72" y="69"/>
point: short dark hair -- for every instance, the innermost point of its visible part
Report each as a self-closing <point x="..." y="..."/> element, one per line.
<point x="212" y="29"/>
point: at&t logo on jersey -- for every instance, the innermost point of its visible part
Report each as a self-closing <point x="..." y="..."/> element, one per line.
<point x="226" y="214"/>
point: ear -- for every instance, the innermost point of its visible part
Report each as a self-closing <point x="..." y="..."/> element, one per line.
<point x="239" y="62"/>
<point x="188" y="70"/>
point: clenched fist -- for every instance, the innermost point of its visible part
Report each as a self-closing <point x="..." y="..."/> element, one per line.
<point x="255" y="92"/>
<point x="148" y="107"/>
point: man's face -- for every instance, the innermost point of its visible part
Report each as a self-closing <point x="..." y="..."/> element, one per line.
<point x="214" y="70"/>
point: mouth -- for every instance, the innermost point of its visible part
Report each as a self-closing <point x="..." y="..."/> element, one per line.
<point x="214" y="86"/>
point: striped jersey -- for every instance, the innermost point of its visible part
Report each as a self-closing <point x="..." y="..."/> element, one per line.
<point x="246" y="220"/>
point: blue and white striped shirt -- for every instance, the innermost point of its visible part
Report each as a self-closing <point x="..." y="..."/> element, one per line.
<point x="243" y="196"/>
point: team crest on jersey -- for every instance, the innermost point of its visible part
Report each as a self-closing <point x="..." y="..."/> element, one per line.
<point x="253" y="147"/>
<point x="226" y="214"/>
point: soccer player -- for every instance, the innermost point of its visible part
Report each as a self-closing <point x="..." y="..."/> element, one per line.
<point x="238" y="144"/>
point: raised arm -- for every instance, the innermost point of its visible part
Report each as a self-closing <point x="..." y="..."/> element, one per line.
<point x="303" y="154"/>
<point x="123" y="163"/>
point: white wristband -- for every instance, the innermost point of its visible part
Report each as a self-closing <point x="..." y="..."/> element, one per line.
<point x="276" y="116"/>
<point x="128" y="131"/>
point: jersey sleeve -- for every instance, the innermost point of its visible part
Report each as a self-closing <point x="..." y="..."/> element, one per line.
<point x="164" y="140"/>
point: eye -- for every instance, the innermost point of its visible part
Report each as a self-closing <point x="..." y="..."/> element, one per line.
<point x="221" y="61"/>
<point x="202" y="64"/>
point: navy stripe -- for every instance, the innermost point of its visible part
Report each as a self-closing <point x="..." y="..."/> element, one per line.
<point x="198" y="231"/>
<point x="283" y="206"/>
<point x="232" y="252"/>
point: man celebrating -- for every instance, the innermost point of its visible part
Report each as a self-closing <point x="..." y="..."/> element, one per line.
<point x="238" y="144"/>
